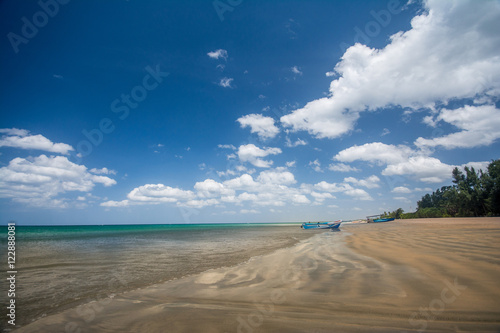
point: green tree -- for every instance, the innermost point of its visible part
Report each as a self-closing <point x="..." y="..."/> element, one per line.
<point x="473" y="193"/>
<point x="492" y="187"/>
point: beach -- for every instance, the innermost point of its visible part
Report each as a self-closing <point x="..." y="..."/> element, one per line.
<point x="407" y="275"/>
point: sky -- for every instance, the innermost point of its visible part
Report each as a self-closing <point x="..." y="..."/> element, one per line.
<point x="122" y="112"/>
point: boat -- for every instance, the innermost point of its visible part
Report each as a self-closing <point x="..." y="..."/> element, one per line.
<point x="384" y="220"/>
<point x="378" y="218"/>
<point x="322" y="225"/>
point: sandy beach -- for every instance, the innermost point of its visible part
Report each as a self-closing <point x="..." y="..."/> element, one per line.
<point x="411" y="275"/>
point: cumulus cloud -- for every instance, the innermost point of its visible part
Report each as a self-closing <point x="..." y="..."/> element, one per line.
<point x="20" y="138"/>
<point x="321" y="118"/>
<point x="209" y="188"/>
<point x="111" y="203"/>
<point x="478" y="125"/>
<point x="341" y="167"/>
<point x="263" y="126"/>
<point x="378" y="152"/>
<point x="320" y="197"/>
<point x="252" y="154"/>
<point x="370" y="182"/>
<point x="332" y="187"/>
<point x="273" y="188"/>
<point x="401" y="189"/>
<point x="426" y="169"/>
<point x="278" y="176"/>
<point x="38" y="181"/>
<point x="359" y="194"/>
<point x="152" y="193"/>
<point x="14" y="131"/>
<point x="316" y="165"/>
<point x="220" y="53"/>
<point x="450" y="52"/>
<point x="400" y="160"/>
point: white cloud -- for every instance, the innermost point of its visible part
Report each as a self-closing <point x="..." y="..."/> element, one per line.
<point x="345" y="188"/>
<point x="19" y="138"/>
<point x="243" y="182"/>
<point x="359" y="194"/>
<point x="290" y="164"/>
<point x="156" y="193"/>
<point x="226" y="82"/>
<point x="263" y="126"/>
<point x="198" y="203"/>
<point x="277" y="176"/>
<point x="111" y="203"/>
<point x="300" y="199"/>
<point x="38" y="181"/>
<point x="370" y="182"/>
<point x="478" y="125"/>
<point x="400" y="160"/>
<point x="299" y="142"/>
<point x="103" y="171"/>
<point x="253" y="154"/>
<point x="209" y="188"/>
<point x="320" y="197"/>
<point x="321" y="118"/>
<point x="14" y="131"/>
<point x="228" y="172"/>
<point x="249" y="211"/>
<point x="332" y="187"/>
<point x="316" y="165"/>
<point x="401" y="189"/>
<point x="477" y="165"/>
<point x="227" y="147"/>
<point x="220" y="53"/>
<point x="296" y="70"/>
<point x="450" y="52"/>
<point x="341" y="167"/>
<point x="375" y="152"/>
<point x="426" y="169"/>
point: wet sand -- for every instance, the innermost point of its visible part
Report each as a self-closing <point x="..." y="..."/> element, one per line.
<point x="412" y="275"/>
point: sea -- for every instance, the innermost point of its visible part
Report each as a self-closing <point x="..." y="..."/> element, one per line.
<point x="61" y="267"/>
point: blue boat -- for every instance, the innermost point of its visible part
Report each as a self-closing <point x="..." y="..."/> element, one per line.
<point x="383" y="220"/>
<point x="322" y="225"/>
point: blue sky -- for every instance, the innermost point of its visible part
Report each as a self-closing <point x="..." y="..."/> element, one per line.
<point x="240" y="111"/>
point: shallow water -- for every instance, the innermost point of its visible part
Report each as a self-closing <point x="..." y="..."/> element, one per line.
<point x="61" y="267"/>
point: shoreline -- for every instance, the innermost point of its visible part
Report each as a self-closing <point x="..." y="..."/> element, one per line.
<point x="94" y="265"/>
<point x="365" y="278"/>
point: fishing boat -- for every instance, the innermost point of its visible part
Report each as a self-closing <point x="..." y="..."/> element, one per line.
<point x="378" y="218"/>
<point x="322" y="225"/>
<point x="384" y="220"/>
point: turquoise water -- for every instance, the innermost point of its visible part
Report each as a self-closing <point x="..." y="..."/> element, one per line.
<point x="60" y="267"/>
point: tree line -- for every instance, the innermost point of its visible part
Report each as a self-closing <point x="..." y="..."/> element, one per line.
<point x="473" y="193"/>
